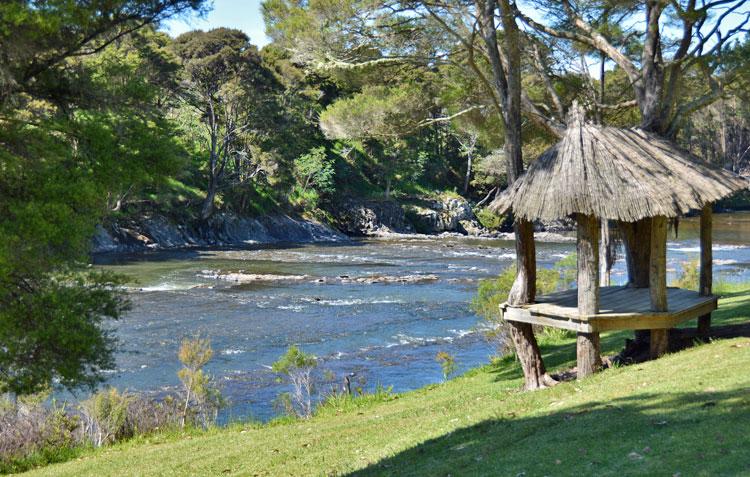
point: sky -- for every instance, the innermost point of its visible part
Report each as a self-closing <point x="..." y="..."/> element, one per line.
<point x="241" y="14"/>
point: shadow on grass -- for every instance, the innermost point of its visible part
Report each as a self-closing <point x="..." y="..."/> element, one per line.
<point x="696" y="433"/>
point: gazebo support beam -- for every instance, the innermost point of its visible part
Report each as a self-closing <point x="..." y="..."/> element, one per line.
<point x="706" y="271"/>
<point x="658" y="282"/>
<point x="523" y="292"/>
<point x="587" y="350"/>
<point x="637" y="238"/>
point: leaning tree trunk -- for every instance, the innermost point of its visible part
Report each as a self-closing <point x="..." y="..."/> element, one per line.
<point x="507" y="84"/>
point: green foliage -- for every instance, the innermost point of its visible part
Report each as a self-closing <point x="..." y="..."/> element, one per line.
<point x="567" y="268"/>
<point x="315" y="170"/>
<point x="294" y="359"/>
<point x="81" y="128"/>
<point x="492" y="292"/>
<point x="447" y="363"/>
<point x="688" y="277"/>
<point x="105" y="415"/>
<point x="202" y="400"/>
<point x="314" y="175"/>
<point x="489" y="219"/>
<point x="52" y="331"/>
<point x="298" y="367"/>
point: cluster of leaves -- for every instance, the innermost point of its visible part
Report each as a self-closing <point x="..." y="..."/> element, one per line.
<point x="493" y="292"/>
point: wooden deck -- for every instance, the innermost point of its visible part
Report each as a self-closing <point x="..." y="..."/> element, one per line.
<point x="620" y="308"/>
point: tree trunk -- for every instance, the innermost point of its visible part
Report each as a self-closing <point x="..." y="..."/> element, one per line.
<point x="467" y="179"/>
<point x="637" y="238"/>
<point x="388" y="188"/>
<point x="658" y="282"/>
<point x="208" y="203"/>
<point x="506" y="82"/>
<point x="706" y="271"/>
<point x="524" y="291"/>
<point x="587" y="350"/>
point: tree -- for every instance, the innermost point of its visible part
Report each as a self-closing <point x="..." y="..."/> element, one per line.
<point x="223" y="81"/>
<point x="59" y="153"/>
<point x="37" y="37"/>
<point x="447" y="364"/>
<point x="658" y="72"/>
<point x="427" y="34"/>
<point x="381" y="117"/>
<point x="314" y="170"/>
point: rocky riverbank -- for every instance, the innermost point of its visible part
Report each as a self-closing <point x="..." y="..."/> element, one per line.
<point x="415" y="217"/>
<point x="159" y="233"/>
<point x="429" y="216"/>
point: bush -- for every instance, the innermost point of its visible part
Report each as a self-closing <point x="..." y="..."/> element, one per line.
<point x="688" y="276"/>
<point x="32" y="434"/>
<point x="492" y="292"/>
<point x="298" y="367"/>
<point x="105" y="417"/>
<point x="447" y="363"/>
<point x="201" y="399"/>
<point x="489" y="219"/>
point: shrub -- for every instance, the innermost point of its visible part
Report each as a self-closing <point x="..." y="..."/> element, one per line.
<point x="492" y="292"/>
<point x="201" y="399"/>
<point x="105" y="417"/>
<point x="489" y="219"/>
<point x="447" y="363"/>
<point x="688" y="276"/>
<point x="31" y="433"/>
<point x="298" y="367"/>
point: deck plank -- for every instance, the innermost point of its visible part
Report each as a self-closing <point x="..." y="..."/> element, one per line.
<point x="620" y="308"/>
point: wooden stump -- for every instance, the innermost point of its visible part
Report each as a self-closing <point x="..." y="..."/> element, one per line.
<point x="706" y="271"/>
<point x="658" y="282"/>
<point x="587" y="347"/>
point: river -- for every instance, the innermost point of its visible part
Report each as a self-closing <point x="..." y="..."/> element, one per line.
<point x="385" y="332"/>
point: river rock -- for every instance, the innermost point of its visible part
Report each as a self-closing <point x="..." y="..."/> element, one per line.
<point x="449" y="214"/>
<point x="223" y="229"/>
<point x="358" y="217"/>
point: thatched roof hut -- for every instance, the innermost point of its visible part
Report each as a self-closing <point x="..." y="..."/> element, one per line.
<point x="636" y="180"/>
<point x="616" y="174"/>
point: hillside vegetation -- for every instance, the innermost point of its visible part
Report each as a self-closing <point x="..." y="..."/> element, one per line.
<point x="685" y="414"/>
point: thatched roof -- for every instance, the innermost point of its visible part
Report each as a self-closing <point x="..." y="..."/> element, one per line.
<point x="612" y="173"/>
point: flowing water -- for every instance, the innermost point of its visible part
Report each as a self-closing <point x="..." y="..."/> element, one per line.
<point x="344" y="303"/>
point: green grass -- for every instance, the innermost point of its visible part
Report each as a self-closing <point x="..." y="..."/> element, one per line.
<point x="687" y="413"/>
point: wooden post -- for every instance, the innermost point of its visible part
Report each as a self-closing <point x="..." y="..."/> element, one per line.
<point x="637" y="238"/>
<point x="587" y="350"/>
<point x="604" y="255"/>
<point x="706" y="277"/>
<point x="658" y="281"/>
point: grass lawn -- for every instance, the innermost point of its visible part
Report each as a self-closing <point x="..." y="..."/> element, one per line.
<point x="685" y="414"/>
